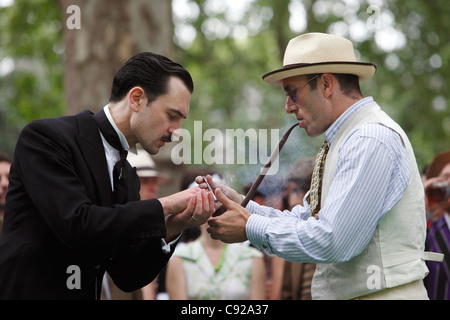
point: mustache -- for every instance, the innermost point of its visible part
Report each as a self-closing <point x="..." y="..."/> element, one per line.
<point x="167" y="138"/>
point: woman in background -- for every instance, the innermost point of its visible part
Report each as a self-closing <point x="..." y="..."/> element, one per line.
<point x="208" y="269"/>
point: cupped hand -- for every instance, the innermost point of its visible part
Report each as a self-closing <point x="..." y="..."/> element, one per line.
<point x="199" y="209"/>
<point x="230" y="226"/>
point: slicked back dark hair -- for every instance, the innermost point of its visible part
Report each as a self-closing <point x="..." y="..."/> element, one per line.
<point x="150" y="71"/>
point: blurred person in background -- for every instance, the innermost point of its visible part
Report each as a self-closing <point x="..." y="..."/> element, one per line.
<point x="292" y="280"/>
<point x="5" y="165"/>
<point x="437" y="190"/>
<point x="258" y="197"/>
<point x="208" y="269"/>
<point x="149" y="176"/>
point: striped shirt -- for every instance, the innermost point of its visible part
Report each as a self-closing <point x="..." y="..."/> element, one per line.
<point x="372" y="173"/>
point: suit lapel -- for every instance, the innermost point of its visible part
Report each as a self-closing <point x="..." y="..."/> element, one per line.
<point x="91" y="146"/>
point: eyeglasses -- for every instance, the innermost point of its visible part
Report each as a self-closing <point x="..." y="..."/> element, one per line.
<point x="293" y="94"/>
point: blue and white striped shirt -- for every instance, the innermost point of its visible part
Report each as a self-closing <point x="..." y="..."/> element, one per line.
<point x="371" y="175"/>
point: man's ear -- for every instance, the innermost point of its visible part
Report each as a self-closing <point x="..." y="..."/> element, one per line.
<point x="135" y="96"/>
<point x="329" y="83"/>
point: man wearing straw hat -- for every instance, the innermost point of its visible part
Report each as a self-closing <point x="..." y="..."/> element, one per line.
<point x="149" y="176"/>
<point x="363" y="220"/>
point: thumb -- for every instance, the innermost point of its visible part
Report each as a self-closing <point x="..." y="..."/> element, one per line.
<point x="227" y="202"/>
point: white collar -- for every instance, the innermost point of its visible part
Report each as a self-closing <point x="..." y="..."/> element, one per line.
<point x="122" y="138"/>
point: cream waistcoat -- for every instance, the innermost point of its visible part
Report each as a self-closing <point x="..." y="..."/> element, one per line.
<point x="395" y="254"/>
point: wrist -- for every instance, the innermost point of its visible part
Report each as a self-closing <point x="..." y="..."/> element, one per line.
<point x="166" y="205"/>
<point x="173" y="230"/>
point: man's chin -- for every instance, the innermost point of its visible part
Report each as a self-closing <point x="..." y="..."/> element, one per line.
<point x="153" y="150"/>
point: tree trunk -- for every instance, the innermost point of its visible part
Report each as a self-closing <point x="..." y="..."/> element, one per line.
<point x="109" y="33"/>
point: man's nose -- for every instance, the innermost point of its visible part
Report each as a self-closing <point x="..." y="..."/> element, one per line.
<point x="290" y="106"/>
<point x="175" y="126"/>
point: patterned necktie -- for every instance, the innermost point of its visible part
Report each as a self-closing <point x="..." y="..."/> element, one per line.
<point x="316" y="180"/>
<point x="126" y="183"/>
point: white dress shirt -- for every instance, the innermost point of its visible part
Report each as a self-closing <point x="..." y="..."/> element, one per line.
<point x="112" y="154"/>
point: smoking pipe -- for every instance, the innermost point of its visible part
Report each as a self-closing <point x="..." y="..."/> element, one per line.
<point x="251" y="192"/>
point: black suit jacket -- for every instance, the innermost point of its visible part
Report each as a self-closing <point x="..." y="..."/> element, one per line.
<point x="59" y="213"/>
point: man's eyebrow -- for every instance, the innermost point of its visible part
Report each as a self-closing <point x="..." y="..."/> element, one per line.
<point x="180" y="114"/>
<point x="287" y="88"/>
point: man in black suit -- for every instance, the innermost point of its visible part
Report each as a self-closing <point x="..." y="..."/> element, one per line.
<point x="72" y="209"/>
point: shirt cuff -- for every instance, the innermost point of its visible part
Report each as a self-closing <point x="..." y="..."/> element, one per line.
<point x="167" y="247"/>
<point x="252" y="207"/>
<point x="255" y="230"/>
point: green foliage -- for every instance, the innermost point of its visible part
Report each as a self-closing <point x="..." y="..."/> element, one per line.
<point x="31" y="37"/>
<point x="414" y="88"/>
<point x="230" y="54"/>
<point x="410" y="83"/>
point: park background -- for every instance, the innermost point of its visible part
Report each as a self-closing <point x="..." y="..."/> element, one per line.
<point x="58" y="57"/>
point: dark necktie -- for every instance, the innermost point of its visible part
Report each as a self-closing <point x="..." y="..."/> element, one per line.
<point x="315" y="192"/>
<point x="124" y="177"/>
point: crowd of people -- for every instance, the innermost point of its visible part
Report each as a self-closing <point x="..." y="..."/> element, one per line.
<point x="360" y="207"/>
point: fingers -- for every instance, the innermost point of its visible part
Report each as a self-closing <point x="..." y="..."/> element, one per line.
<point x="213" y="228"/>
<point x="227" y="202"/>
<point x="199" y="179"/>
<point x="191" y="204"/>
<point x="199" y="207"/>
<point x="204" y="207"/>
<point x="197" y="213"/>
<point x="201" y="182"/>
<point x="229" y="227"/>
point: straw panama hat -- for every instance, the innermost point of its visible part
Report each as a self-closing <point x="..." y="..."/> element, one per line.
<point x="320" y="53"/>
<point x="145" y="166"/>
